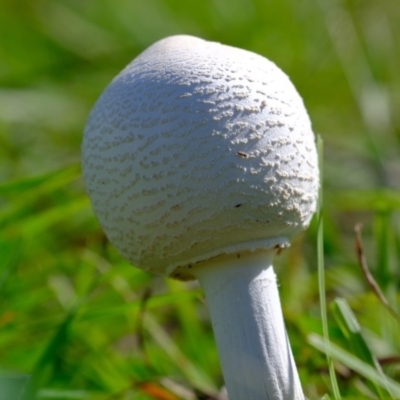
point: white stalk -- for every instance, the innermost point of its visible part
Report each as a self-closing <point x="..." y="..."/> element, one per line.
<point x="246" y="315"/>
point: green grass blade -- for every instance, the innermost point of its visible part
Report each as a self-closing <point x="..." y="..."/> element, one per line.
<point x="355" y="364"/>
<point x="198" y="378"/>
<point x="379" y="199"/>
<point x="45" y="219"/>
<point x="321" y="275"/>
<point x="24" y="210"/>
<point x="45" y="366"/>
<point x="107" y="311"/>
<point x="62" y="394"/>
<point x="350" y="328"/>
<point x="45" y="183"/>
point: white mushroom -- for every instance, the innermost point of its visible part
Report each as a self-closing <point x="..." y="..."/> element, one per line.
<point x="200" y="162"/>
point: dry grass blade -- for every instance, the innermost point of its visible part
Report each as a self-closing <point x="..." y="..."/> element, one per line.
<point x="368" y="275"/>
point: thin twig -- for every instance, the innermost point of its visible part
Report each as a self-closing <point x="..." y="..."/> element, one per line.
<point x="369" y="277"/>
<point x="389" y="360"/>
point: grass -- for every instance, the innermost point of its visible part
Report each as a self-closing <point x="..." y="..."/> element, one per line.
<point x="321" y="275"/>
<point x="76" y="320"/>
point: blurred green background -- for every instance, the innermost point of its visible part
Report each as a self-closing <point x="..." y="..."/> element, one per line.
<point x="78" y="322"/>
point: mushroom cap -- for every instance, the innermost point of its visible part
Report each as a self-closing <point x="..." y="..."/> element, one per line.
<point x="196" y="150"/>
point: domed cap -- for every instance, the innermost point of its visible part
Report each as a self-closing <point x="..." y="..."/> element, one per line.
<point x="196" y="150"/>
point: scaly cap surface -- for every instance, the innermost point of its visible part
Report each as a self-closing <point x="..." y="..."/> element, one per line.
<point x="197" y="149"/>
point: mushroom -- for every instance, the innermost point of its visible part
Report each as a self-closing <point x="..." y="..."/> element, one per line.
<point x="200" y="162"/>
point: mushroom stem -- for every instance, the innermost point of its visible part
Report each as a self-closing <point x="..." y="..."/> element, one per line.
<point x="243" y="298"/>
